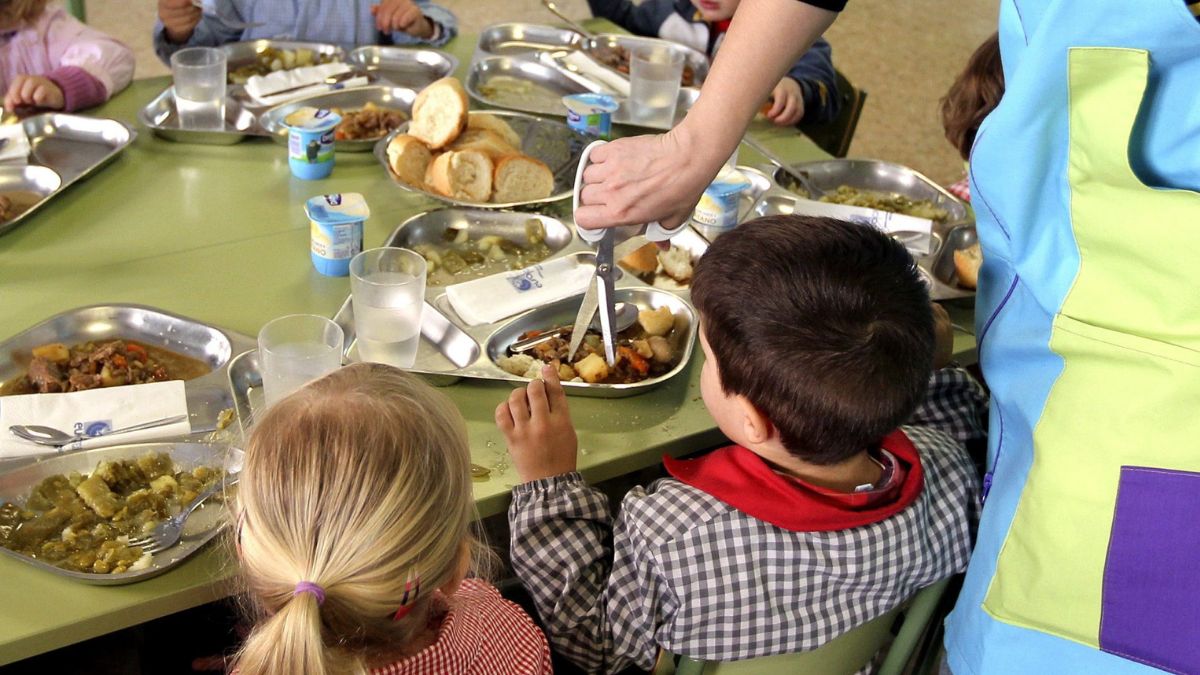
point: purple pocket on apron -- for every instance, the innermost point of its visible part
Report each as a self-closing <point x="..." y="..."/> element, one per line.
<point x="1150" y="611"/>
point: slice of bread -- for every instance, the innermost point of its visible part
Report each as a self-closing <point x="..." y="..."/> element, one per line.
<point x="495" y="124"/>
<point x="643" y="260"/>
<point x="967" y="262"/>
<point x="521" y="178"/>
<point x="440" y="113"/>
<point x="465" y="175"/>
<point x="485" y="141"/>
<point x="409" y="159"/>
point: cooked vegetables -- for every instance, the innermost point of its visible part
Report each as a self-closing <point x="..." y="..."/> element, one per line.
<point x="462" y="258"/>
<point x="271" y="59"/>
<point x="57" y="368"/>
<point x="883" y="201"/>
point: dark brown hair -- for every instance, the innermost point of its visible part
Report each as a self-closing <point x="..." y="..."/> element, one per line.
<point x="21" y="13"/>
<point x="825" y="326"/>
<point x="974" y="94"/>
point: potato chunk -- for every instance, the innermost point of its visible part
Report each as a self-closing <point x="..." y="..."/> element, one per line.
<point x="593" y="368"/>
<point x="657" y="322"/>
<point x="95" y="493"/>
<point x="55" y="351"/>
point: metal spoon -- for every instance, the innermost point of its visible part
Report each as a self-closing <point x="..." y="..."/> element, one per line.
<point x="575" y="26"/>
<point x="626" y="316"/>
<point x="56" y="438"/>
<point x="813" y="191"/>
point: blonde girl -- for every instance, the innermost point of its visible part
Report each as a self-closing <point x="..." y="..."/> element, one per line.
<point x="353" y="534"/>
<point x="51" y="61"/>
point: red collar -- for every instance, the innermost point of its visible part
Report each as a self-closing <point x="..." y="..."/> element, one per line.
<point x="746" y="482"/>
<point x="722" y="26"/>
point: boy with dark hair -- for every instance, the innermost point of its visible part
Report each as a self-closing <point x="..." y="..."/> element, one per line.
<point x="819" y="340"/>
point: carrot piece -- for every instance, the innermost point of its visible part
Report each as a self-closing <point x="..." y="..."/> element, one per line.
<point x="635" y="360"/>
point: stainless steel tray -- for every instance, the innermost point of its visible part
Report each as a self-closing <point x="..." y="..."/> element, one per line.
<point x="398" y="98"/>
<point x="404" y="66"/>
<point x="956" y="233"/>
<point x="160" y="116"/>
<point x="73" y="147"/>
<point x="238" y="54"/>
<point x="696" y="60"/>
<point x="557" y="84"/>
<point x="207" y="396"/>
<point x="29" y="178"/>
<point x="551" y="142"/>
<point x="201" y="527"/>
<point x="450" y="350"/>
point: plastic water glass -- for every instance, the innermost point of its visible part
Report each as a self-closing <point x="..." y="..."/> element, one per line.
<point x="654" y="74"/>
<point x="296" y="349"/>
<point x="199" y="74"/>
<point x="388" y="287"/>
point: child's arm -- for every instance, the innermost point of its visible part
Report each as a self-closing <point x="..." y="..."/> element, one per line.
<point x="818" y="83"/>
<point x="955" y="403"/>
<point x="415" y="21"/>
<point x="90" y="66"/>
<point x="181" y="25"/>
<point x="595" y="586"/>
<point x="645" y="18"/>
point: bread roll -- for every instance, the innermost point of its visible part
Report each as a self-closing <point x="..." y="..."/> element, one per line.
<point x="520" y="178"/>
<point x="496" y="125"/>
<point x="409" y="159"/>
<point x="642" y="261"/>
<point x="465" y="175"/>
<point x="440" y="113"/>
<point x="485" y="141"/>
<point x="967" y="262"/>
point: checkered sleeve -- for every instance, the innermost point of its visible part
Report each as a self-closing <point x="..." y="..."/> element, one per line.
<point x="955" y="404"/>
<point x="600" y="610"/>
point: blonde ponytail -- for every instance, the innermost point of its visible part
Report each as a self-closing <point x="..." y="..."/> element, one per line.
<point x="351" y="486"/>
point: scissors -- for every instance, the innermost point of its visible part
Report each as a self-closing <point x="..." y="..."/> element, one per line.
<point x="600" y="293"/>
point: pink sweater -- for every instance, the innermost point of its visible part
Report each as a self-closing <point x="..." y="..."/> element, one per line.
<point x="86" y="64"/>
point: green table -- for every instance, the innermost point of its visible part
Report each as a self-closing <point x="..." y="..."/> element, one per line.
<point x="218" y="233"/>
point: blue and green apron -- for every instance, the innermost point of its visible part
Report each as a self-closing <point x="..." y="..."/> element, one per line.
<point x="1084" y="185"/>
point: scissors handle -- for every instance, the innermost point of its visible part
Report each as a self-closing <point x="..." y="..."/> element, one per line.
<point x="654" y="231"/>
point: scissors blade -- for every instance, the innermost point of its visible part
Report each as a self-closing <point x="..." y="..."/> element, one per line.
<point x="586" y="311"/>
<point x="606" y="303"/>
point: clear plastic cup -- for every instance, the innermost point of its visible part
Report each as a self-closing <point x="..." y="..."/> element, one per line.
<point x="199" y="74"/>
<point x="296" y="349"/>
<point x="654" y="74"/>
<point x="388" y="287"/>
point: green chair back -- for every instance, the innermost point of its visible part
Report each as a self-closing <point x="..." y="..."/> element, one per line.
<point x="834" y="137"/>
<point x="77" y="10"/>
<point x="846" y="654"/>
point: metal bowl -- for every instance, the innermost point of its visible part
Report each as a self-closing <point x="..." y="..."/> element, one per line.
<point x="551" y="142"/>
<point x="238" y="54"/>
<point x="161" y="117"/>
<point x="31" y="178"/>
<point x="404" y="66"/>
<point x="398" y="98"/>
<point x="520" y="38"/>
<point x="694" y="59"/>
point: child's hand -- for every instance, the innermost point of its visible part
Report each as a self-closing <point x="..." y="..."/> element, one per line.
<point x="943" y="337"/>
<point x="33" y="91"/>
<point x="179" y="18"/>
<point x="788" y="106"/>
<point x="537" y="425"/>
<point x="402" y="15"/>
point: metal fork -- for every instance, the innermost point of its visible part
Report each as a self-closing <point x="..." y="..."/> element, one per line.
<point x="227" y="22"/>
<point x="169" y="532"/>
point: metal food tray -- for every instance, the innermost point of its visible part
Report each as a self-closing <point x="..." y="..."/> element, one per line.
<point x="239" y="54"/>
<point x="449" y="351"/>
<point x="206" y="396"/>
<point x="958" y="232"/>
<point x="559" y="83"/>
<point x="554" y="143"/>
<point x="398" y="98"/>
<point x="71" y="146"/>
<point x="404" y="66"/>
<point x="509" y="39"/>
<point x="201" y="527"/>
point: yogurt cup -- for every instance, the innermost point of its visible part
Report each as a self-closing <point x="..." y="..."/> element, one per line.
<point x="591" y="114"/>
<point x="718" y="207"/>
<point x="310" y="142"/>
<point x="336" y="227"/>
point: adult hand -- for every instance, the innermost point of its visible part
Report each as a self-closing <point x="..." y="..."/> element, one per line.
<point x="402" y="16"/>
<point x="179" y="19"/>
<point x="33" y="91"/>
<point x="787" y="107"/>
<point x="943" y="337"/>
<point x="537" y="425"/>
<point x="641" y="179"/>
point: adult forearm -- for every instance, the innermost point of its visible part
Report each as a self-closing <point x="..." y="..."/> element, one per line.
<point x="765" y="39"/>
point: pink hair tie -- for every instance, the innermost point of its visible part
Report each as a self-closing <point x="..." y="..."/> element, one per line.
<point x="407" y="601"/>
<point x="310" y="587"/>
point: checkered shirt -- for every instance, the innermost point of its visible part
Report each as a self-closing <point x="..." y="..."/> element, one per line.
<point x="482" y="634"/>
<point x="681" y="570"/>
